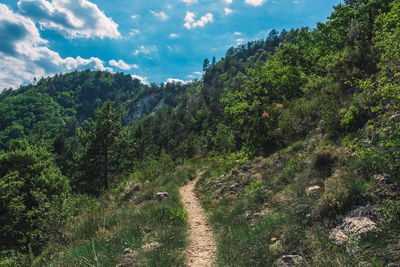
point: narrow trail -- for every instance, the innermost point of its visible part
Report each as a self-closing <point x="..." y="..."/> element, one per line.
<point x="201" y="250"/>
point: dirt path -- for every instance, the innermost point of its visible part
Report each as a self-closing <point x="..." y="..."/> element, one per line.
<point x="201" y="250"/>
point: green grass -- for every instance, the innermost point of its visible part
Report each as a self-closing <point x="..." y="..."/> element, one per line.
<point x="288" y="221"/>
<point x="100" y="233"/>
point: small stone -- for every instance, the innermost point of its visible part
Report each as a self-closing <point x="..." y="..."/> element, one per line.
<point x="313" y="191"/>
<point x="161" y="195"/>
<point x="273" y="239"/>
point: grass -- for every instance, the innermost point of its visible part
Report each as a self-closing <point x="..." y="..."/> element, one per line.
<point x="262" y="213"/>
<point x="112" y="224"/>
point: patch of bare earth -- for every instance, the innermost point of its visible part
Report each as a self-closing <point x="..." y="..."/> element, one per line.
<point x="201" y="250"/>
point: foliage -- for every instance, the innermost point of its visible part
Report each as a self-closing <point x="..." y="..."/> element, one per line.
<point x="34" y="198"/>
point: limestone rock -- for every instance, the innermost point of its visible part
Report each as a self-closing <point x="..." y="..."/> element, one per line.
<point x="356" y="224"/>
<point x="314" y="191"/>
<point x="161" y="195"/>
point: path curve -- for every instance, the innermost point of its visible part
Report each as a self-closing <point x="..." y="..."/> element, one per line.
<point x="201" y="250"/>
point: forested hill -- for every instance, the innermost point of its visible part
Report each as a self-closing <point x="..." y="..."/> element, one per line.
<point x="317" y="108"/>
<point x="58" y="105"/>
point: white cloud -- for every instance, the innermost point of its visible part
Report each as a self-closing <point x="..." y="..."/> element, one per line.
<point x="198" y="73"/>
<point x="71" y="18"/>
<point x="255" y="2"/>
<point x="135" y="16"/>
<point x="174" y="36"/>
<point x="134" y="32"/>
<point x="23" y="54"/>
<point x="173" y="80"/>
<point x="227" y="11"/>
<point x="188" y="2"/>
<point x="237" y="33"/>
<point x="141" y="79"/>
<point x="160" y="15"/>
<point x="228" y="1"/>
<point x="146" y="50"/>
<point x="122" y="65"/>
<point x="190" y="21"/>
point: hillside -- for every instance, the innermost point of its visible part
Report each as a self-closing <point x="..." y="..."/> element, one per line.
<point x="298" y="136"/>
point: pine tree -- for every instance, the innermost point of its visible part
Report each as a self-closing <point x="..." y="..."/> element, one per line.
<point x="99" y="158"/>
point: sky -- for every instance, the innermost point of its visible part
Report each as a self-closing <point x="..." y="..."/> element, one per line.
<point x="152" y="40"/>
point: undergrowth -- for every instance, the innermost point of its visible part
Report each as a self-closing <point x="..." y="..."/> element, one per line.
<point x="137" y="230"/>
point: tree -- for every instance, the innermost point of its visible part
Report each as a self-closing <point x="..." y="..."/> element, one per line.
<point x="206" y="63"/>
<point x="99" y="158"/>
<point x="33" y="197"/>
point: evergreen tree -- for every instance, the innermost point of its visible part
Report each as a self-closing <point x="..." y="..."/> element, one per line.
<point x="98" y="161"/>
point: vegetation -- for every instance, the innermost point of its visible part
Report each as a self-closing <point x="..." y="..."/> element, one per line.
<point x="304" y="108"/>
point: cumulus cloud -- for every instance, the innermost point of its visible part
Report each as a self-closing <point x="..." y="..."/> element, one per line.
<point x="135" y="16"/>
<point x="228" y="1"/>
<point x="255" y="2"/>
<point x="122" y="65"/>
<point x="160" y="15"/>
<point x="237" y="33"/>
<point x="174" y="36"/>
<point x="190" y="21"/>
<point x="71" y="18"/>
<point x="140" y="78"/>
<point x="174" y="80"/>
<point x="24" y="55"/>
<point x="188" y="2"/>
<point x="227" y="11"/>
<point x="146" y="50"/>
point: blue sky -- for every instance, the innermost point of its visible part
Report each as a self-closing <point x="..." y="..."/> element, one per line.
<point x="153" y="40"/>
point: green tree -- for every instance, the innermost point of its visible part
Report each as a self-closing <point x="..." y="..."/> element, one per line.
<point x="33" y="198"/>
<point x="99" y="159"/>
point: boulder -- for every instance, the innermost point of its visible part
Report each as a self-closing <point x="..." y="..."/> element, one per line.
<point x="161" y="196"/>
<point x="356" y="224"/>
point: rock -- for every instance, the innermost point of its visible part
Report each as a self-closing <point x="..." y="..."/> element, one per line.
<point x="150" y="247"/>
<point x="313" y="191"/>
<point x="161" y="195"/>
<point x="129" y="258"/>
<point x="380" y="177"/>
<point x="356" y="224"/>
<point x="276" y="246"/>
<point x="290" y="260"/>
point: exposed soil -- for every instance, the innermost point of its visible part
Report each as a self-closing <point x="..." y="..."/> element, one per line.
<point x="201" y="250"/>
